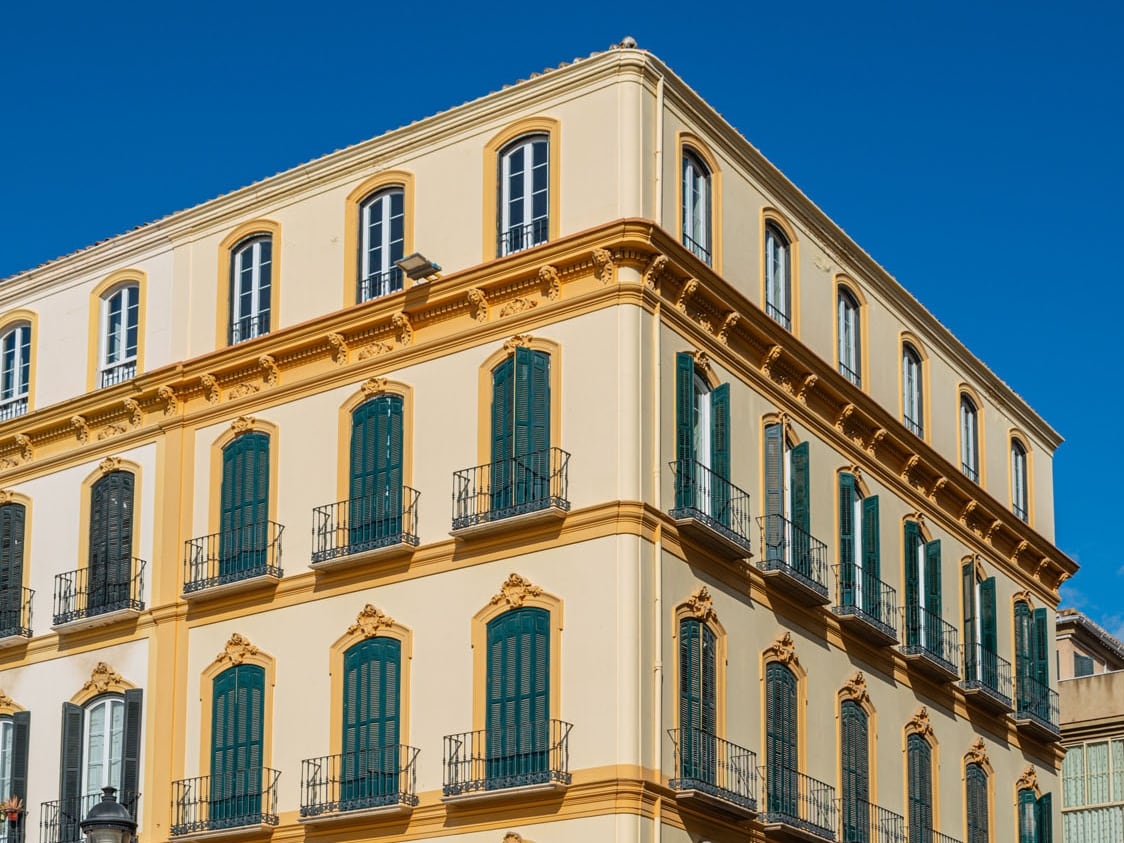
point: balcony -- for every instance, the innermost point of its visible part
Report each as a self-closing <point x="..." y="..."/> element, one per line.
<point x="520" y="237"/>
<point x="15" y="616"/>
<point x="798" y="806"/>
<point x="711" y="509"/>
<point x="12" y="407"/>
<point x="380" y="284"/>
<point x="374" y="781"/>
<point x="244" y="800"/>
<point x="364" y="529"/>
<point x="529" y="488"/>
<point x="714" y="773"/>
<point x="248" y="327"/>
<point x="865" y="604"/>
<point x="794" y="560"/>
<point x="531" y="756"/>
<point x="927" y="835"/>
<point x="117" y="373"/>
<point x="99" y="596"/>
<point x="697" y="249"/>
<point x="931" y="644"/>
<point x="58" y="820"/>
<point x="987" y="677"/>
<point x="864" y="822"/>
<point x="1036" y="708"/>
<point x="238" y="559"/>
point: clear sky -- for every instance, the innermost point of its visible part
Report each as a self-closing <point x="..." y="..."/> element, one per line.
<point x="973" y="148"/>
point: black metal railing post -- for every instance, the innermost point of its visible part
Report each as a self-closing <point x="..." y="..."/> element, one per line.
<point x="117" y="373"/>
<point x="859" y="592"/>
<point x="357" y="525"/>
<point x="89" y="592"/>
<point x="794" y="799"/>
<point x="230" y="800"/>
<point x="789" y="548"/>
<point x="370" y="778"/>
<point x="707" y="763"/>
<point x="697" y="249"/>
<point x="712" y="500"/>
<point x="249" y="327"/>
<point x="15" y="612"/>
<point x="381" y="283"/>
<point x="516" y="238"/>
<point x="59" y="820"/>
<point x="987" y="670"/>
<point x="528" y="753"/>
<point x="251" y="550"/>
<point x="511" y="486"/>
<point x="1036" y="701"/>
<point x="926" y="633"/>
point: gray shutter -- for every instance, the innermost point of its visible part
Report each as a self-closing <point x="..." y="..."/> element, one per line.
<point x="846" y="540"/>
<point x="131" y="746"/>
<point x="21" y="738"/>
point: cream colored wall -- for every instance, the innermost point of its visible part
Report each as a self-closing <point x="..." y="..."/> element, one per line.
<point x="1091" y="698"/>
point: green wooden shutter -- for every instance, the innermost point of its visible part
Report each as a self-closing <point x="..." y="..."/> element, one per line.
<point x="872" y="560"/>
<point x="503" y="434"/>
<point x="532" y="426"/>
<point x="1028" y="811"/>
<point x="781" y="739"/>
<point x="12" y="519"/>
<point x="375" y="501"/>
<point x="1041" y="650"/>
<point x="690" y="695"/>
<point x="21" y="741"/>
<point x="372" y="693"/>
<point x="1024" y="653"/>
<point x="111" y="541"/>
<point x="245" y="504"/>
<point x="518" y="712"/>
<point x="131" y="746"/>
<point x="70" y="771"/>
<point x="855" y="763"/>
<point x="720" y="453"/>
<point x="236" y="743"/>
<point x="265" y="291"/>
<point x="988" y="638"/>
<point x="968" y="599"/>
<point x="919" y="775"/>
<point x="847" y="539"/>
<point x="935" y="642"/>
<point x="774" y="492"/>
<point x="1044" y="818"/>
<point x="684" y="431"/>
<point x="913" y="625"/>
<point x="801" y="511"/>
<point x="977" y="808"/>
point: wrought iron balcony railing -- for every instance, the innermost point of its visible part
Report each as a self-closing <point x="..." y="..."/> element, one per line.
<point x="362" y="524"/>
<point x="1036" y="702"/>
<point x="697" y="249"/>
<point x="927" y="835"/>
<point x="59" y="820"/>
<point x="862" y="596"/>
<point x="864" y="822"/>
<point x="799" y="801"/>
<point x="520" y="237"/>
<point x="117" y="373"/>
<point x="89" y="592"/>
<point x="850" y="374"/>
<point x="12" y="407"/>
<point x="778" y="315"/>
<point x="790" y="550"/>
<point x="987" y="672"/>
<point x="716" y="767"/>
<point x="242" y="553"/>
<point x="248" y="327"/>
<point x="380" y="284"/>
<point x="535" y="752"/>
<point x="705" y="497"/>
<point x="933" y="639"/>
<point x="231" y="800"/>
<point x="511" y="486"/>
<point x="970" y="471"/>
<point x="15" y="612"/>
<point x="13" y="832"/>
<point x="354" y="781"/>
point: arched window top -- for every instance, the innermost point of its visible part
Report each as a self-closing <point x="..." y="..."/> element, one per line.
<point x="849" y="334"/>
<point x="694" y="161"/>
<point x="969" y="437"/>
<point x="911" y="353"/>
<point x="778" y="273"/>
<point x="774" y="230"/>
<point x="966" y="402"/>
<point x="524" y="193"/>
<point x="1020" y="482"/>
<point x="523" y="141"/>
<point x="913" y="410"/>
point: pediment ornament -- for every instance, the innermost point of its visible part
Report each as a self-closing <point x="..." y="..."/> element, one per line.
<point x="237" y="650"/>
<point x="515" y="591"/>
<point x="370" y="622"/>
<point x="919" y="724"/>
<point x="104" y="679"/>
<point x="783" y="650"/>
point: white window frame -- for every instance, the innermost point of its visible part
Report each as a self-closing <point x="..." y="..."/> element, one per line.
<point x="778" y="275"/>
<point x="116" y="366"/>
<point x="15" y="370"/>
<point x="250" y="248"/>
<point x="537" y="226"/>
<point x="922" y="590"/>
<point x="7" y="731"/>
<point x="112" y="746"/>
<point x="969" y="438"/>
<point x="696" y="206"/>
<point x="849" y="337"/>
<point x="386" y="278"/>
<point x="1020" y="485"/>
<point x="912" y="393"/>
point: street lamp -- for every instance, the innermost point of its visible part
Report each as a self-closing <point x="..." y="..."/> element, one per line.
<point x="108" y="821"/>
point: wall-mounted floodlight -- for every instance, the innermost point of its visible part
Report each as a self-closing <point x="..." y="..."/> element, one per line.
<point x="417" y="267"/>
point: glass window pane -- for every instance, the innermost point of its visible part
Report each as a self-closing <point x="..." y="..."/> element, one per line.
<point x="1096" y="763"/>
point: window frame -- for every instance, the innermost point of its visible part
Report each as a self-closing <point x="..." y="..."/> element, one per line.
<point x="123" y="291"/>
<point x="849" y="305"/>
<point x="782" y="315"/>
<point x="971" y="462"/>
<point x="391" y="279"/>
<point x="490" y="218"/>
<point x="111" y="703"/>
<point x="21" y="372"/>
<point x="538" y="226"/>
<point x="696" y="228"/>
<point x="224" y="304"/>
<point x="96" y="364"/>
<point x="911" y="357"/>
<point x="1020" y="480"/>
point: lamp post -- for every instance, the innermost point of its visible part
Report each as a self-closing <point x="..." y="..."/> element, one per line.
<point x="108" y="821"/>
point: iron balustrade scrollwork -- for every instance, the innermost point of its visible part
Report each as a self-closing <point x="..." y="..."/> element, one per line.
<point x="712" y="500"/>
<point x="714" y="766"/>
<point x="511" y="486"/>
<point x="929" y="635"/>
<point x="352" y="781"/>
<point x="15" y="612"/>
<point x="519" y="755"/>
<point x="520" y="237"/>
<point x="230" y="800"/>
<point x="988" y="671"/>
<point x="794" y="799"/>
<point x="860" y="593"/>
<point x="59" y="820"/>
<point x="1035" y="701"/>
<point x="791" y="549"/>
<point x="927" y="835"/>
<point x="861" y="821"/>
<point x="89" y="592"/>
<point x="357" y="525"/>
<point x="241" y="553"/>
<point x="381" y="283"/>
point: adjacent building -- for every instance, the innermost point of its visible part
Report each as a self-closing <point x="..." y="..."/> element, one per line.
<point x="658" y="511"/>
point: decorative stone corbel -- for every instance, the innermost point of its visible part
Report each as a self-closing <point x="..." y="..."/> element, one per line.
<point x="373" y="349"/>
<point x="938" y="484"/>
<point x="688" y="290"/>
<point x="911" y="463"/>
<point x="168" y="396"/>
<point x="806" y="387"/>
<point x="728" y="325"/>
<point x="653" y="272"/>
<point x="1019" y="548"/>
<point x="521" y="304"/>
<point x="771" y="357"/>
<point x="479" y="304"/>
<point x="23" y="442"/>
<point x="339" y="348"/>
<point x="133" y="409"/>
<point x="81" y="428"/>
<point x="211" y="387"/>
<point x="968" y="509"/>
<point x="401" y="323"/>
<point x="995" y="525"/>
<point x="270" y="373"/>
<point x="549" y="277"/>
<point x="845" y="412"/>
<point x="875" y="438"/>
<point x="603" y="261"/>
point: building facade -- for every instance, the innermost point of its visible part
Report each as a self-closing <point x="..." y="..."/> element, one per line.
<point x="731" y="537"/>
<point x="1091" y="690"/>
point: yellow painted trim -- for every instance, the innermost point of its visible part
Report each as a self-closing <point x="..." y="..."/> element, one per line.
<point x="110" y="284"/>
<point x="497" y="606"/>
<point x="351" y="223"/>
<point x="116" y="686"/>
<point x="965" y="390"/>
<point x="867" y="706"/>
<point x="801" y="675"/>
<point x="540" y="125"/>
<point x="860" y="485"/>
<point x="8" y="706"/>
<point x="911" y="339"/>
<point x="989" y="772"/>
<point x="353" y="636"/>
<point x="222" y="663"/>
<point x="844" y="282"/>
<point x="226" y="255"/>
<point x="923" y="525"/>
<point x="776" y="218"/>
<point x="685" y="611"/>
<point x="689" y="142"/>
<point x="1013" y="436"/>
<point x="379" y="386"/>
<point x="934" y="773"/>
<point x="484" y="392"/>
<point x="256" y="425"/>
<point x="86" y="492"/>
<point x="10" y="320"/>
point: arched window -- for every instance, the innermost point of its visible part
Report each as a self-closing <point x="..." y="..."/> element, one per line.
<point x="698" y="724"/>
<point x="855" y="764"/>
<point x="860" y="565"/>
<point x="375" y="501"/>
<point x="15" y="370"/>
<point x="781" y="741"/>
<point x="524" y="194"/>
<point x="982" y="665"/>
<point x="517" y="730"/>
<point x="120" y="318"/>
<point x="237" y="737"/>
<point x="975" y="787"/>
<point x="702" y="441"/>
<point x="372" y="694"/>
<point x="244" y="531"/>
<point x="1033" y="645"/>
<point x="778" y="276"/>
<point x="521" y="464"/>
<point x="696" y="206"/>
<point x="110" y="565"/>
<point x="911" y="390"/>
<point x="13" y="621"/>
<point x="788" y="518"/>
<point x="969" y="438"/>
<point x="924" y="626"/>
<point x="1019" y="488"/>
<point x="251" y="284"/>
<point x="919" y="783"/>
<point x="850" y="344"/>
<point x="382" y="222"/>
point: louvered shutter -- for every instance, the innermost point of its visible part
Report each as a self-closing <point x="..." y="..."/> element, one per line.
<point x="518" y="687"/>
<point x="690" y="694"/>
<point x="1028" y="816"/>
<point x="361" y="485"/>
<point x="977" y="807"/>
<point x="70" y="771"/>
<point x="12" y="517"/>
<point x="847" y="539"/>
<point x="111" y="540"/>
<point x="375" y="508"/>
<point x="774" y="492"/>
<point x="532" y="418"/>
<point x="97" y="566"/>
<point x="781" y="739"/>
<point x="1044" y="818"/>
<point x="988" y="639"/>
<point x="236" y="742"/>
<point x="872" y="560"/>
<point x="265" y="286"/>
<point x="1041" y="650"/>
<point x="684" y="430"/>
<point x="856" y="773"/>
<point x="131" y="746"/>
<point x="21" y="742"/>
<point x="1024" y="653"/>
<point x="913" y="622"/>
<point x="935" y="643"/>
<point x="371" y="719"/>
<point x="245" y="504"/>
<point x="968" y="601"/>
<point x="801" y="511"/>
<point x="720" y="453"/>
<point x="503" y="435"/>
<point x="920" y="787"/>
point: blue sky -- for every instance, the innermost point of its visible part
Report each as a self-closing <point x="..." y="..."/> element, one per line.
<point x="974" y="149"/>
